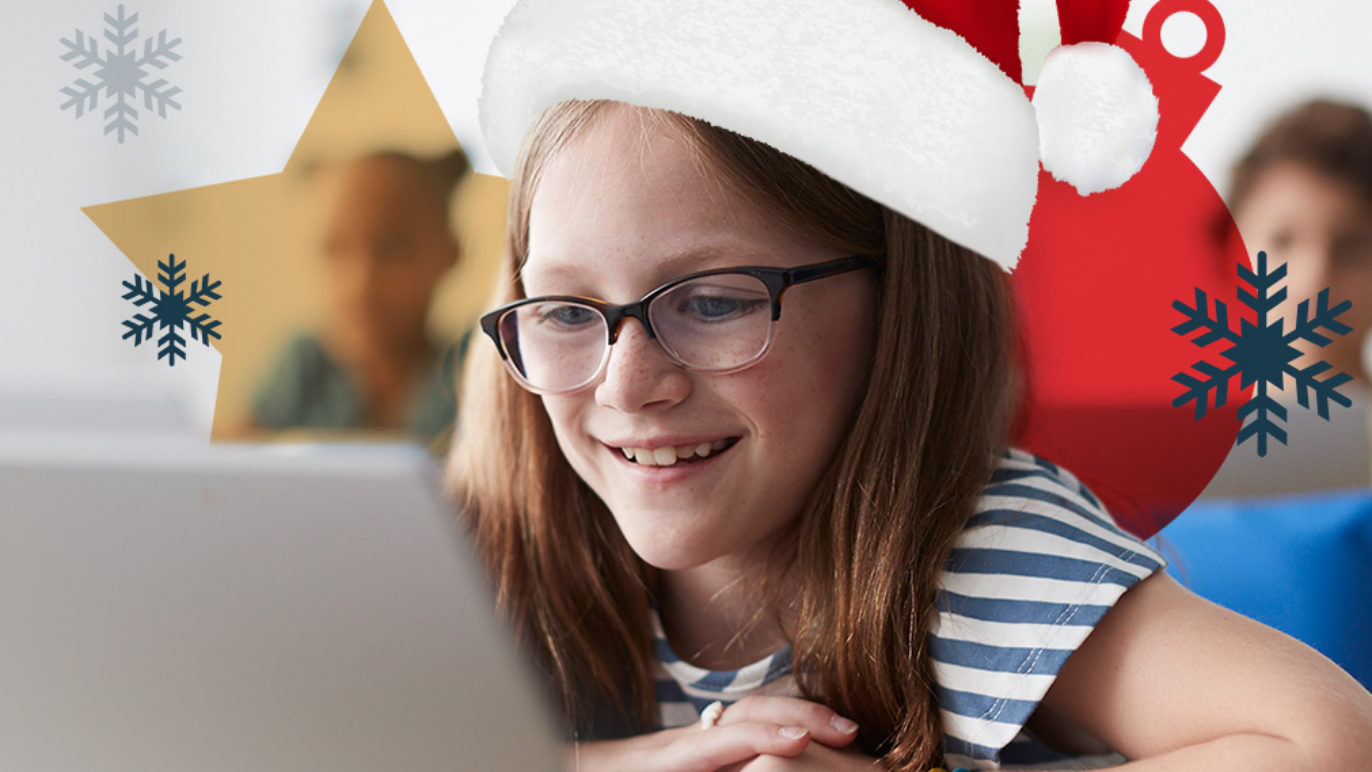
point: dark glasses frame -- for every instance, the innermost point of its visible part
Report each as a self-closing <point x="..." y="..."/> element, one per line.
<point x="777" y="281"/>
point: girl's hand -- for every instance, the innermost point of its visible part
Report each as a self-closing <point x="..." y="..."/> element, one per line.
<point x="753" y="727"/>
<point x="815" y="758"/>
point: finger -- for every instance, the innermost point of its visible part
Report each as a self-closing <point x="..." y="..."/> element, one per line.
<point x="720" y="746"/>
<point x="825" y="724"/>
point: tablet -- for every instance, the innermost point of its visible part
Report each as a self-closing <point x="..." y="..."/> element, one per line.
<point x="170" y="605"/>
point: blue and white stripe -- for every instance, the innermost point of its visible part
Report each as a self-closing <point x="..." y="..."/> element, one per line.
<point x="1038" y="566"/>
<point x="683" y="690"/>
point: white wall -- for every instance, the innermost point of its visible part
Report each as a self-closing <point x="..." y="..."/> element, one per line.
<point x="1275" y="54"/>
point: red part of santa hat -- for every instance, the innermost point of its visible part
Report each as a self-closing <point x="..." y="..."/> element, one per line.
<point x="1091" y="21"/>
<point x="990" y="26"/>
<point x="1096" y="112"/>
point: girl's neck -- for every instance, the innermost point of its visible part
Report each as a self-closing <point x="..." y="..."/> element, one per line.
<point x="715" y="618"/>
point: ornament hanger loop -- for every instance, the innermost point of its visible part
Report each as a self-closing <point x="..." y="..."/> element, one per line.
<point x="1209" y="16"/>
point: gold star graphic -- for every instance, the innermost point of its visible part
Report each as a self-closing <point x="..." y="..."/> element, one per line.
<point x="254" y="236"/>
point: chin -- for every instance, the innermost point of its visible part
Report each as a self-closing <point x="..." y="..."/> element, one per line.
<point x="671" y="562"/>
<point x="666" y="554"/>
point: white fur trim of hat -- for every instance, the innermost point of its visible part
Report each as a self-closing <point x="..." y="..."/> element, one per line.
<point x="866" y="91"/>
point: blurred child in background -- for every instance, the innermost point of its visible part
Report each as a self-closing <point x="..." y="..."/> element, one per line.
<point x="1303" y="194"/>
<point x="372" y="366"/>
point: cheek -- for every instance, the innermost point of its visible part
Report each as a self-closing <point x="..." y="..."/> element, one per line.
<point x="343" y="277"/>
<point x="1251" y="223"/>
<point x="1354" y="284"/>
<point x="844" y="353"/>
<point x="808" y="389"/>
<point x="1307" y="277"/>
<point x="563" y="414"/>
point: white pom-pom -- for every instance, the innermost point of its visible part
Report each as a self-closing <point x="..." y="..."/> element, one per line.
<point x="1097" y="116"/>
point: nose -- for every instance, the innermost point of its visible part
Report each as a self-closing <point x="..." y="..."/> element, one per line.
<point x="639" y="375"/>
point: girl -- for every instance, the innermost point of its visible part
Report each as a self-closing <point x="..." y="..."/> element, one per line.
<point x="740" y="436"/>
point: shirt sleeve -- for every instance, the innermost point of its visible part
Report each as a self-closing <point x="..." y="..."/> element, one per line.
<point x="305" y="389"/>
<point x="1037" y="567"/>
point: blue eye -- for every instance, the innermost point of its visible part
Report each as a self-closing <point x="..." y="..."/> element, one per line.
<point x="569" y="317"/>
<point x="714" y="308"/>
<point x="717" y="308"/>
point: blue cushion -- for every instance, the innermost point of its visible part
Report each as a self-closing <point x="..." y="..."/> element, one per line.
<point x="1301" y="564"/>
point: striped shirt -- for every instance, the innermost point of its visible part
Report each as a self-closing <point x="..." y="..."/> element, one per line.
<point x="1037" y="567"/>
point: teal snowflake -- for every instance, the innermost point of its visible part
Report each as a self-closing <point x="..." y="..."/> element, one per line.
<point x="171" y="310"/>
<point x="1261" y="353"/>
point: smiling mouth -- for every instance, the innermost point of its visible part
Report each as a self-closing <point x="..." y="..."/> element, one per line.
<point x="678" y="456"/>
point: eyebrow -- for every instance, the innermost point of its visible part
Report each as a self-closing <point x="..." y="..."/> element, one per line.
<point x="675" y="264"/>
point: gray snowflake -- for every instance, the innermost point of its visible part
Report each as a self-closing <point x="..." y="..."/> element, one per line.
<point x="122" y="73"/>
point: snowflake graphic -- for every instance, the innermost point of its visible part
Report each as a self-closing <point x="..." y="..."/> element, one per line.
<point x="1261" y="353"/>
<point x="171" y="309"/>
<point x="122" y="73"/>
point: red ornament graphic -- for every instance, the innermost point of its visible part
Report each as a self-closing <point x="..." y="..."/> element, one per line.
<point x="1095" y="288"/>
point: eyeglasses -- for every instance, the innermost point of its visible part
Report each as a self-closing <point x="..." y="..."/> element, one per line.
<point x="717" y="321"/>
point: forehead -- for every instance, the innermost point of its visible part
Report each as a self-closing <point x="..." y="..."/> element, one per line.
<point x="371" y="191"/>
<point x="631" y="202"/>
<point x="1289" y="187"/>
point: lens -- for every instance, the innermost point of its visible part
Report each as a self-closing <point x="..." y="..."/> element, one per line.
<point x="554" y="345"/>
<point x="716" y="322"/>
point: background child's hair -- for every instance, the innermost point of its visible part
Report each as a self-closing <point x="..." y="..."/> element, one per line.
<point x="1331" y="138"/>
<point x="867" y="551"/>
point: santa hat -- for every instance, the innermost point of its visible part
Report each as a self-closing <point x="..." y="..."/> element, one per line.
<point x="915" y="104"/>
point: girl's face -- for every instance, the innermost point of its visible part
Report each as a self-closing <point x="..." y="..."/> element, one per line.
<point x="622" y="210"/>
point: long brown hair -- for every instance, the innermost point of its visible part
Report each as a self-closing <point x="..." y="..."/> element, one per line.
<point x="867" y="551"/>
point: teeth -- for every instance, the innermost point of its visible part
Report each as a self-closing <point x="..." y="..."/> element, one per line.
<point x="669" y="456"/>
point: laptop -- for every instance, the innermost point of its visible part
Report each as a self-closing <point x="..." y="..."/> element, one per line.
<point x="170" y="605"/>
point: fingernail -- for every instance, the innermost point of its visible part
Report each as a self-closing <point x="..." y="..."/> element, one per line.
<point x="793" y="732"/>
<point x="843" y="725"/>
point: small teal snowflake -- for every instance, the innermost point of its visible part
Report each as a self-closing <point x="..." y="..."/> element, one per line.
<point x="1261" y="353"/>
<point x="171" y="309"/>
